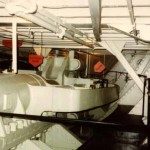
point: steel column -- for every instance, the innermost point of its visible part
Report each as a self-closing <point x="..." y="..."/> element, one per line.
<point x="95" y="10"/>
<point x="131" y="12"/>
<point x="14" y="47"/>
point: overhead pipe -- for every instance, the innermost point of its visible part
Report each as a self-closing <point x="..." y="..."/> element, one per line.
<point x="48" y="26"/>
<point x="44" y="19"/>
<point x="67" y="35"/>
<point x="28" y="37"/>
<point x="126" y="33"/>
<point x="36" y="20"/>
<point x="53" y="20"/>
<point x="70" y="42"/>
<point x="113" y="28"/>
<point x="1" y="28"/>
<point x="10" y="37"/>
<point x="59" y="21"/>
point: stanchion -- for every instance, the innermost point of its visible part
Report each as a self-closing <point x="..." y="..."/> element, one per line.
<point x="148" y="113"/>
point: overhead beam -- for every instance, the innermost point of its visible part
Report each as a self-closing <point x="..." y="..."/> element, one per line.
<point x="95" y="10"/>
<point x="131" y="13"/>
<point x="132" y="17"/>
<point x="115" y="48"/>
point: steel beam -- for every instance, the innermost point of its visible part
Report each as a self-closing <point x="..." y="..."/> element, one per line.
<point x="130" y="8"/>
<point x="115" y="48"/>
<point x="95" y="10"/>
<point x="131" y="13"/>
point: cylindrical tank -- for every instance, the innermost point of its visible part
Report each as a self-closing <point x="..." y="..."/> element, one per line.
<point x="14" y="87"/>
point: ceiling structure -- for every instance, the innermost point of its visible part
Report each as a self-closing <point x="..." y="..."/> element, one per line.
<point x="77" y="24"/>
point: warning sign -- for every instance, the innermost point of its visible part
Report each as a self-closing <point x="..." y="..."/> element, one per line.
<point x="99" y="67"/>
<point x="8" y="43"/>
<point x="35" y="60"/>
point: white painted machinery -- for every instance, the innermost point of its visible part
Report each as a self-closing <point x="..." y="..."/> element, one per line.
<point x="54" y="93"/>
<point x="56" y="90"/>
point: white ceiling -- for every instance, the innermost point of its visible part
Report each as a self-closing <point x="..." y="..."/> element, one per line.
<point x="77" y="13"/>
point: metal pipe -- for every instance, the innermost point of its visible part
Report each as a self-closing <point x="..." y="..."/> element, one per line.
<point x="48" y="26"/>
<point x="37" y="21"/>
<point x="78" y="40"/>
<point x="128" y="34"/>
<point x="10" y="37"/>
<point x="47" y="20"/>
<point x="11" y="32"/>
<point x="59" y="21"/>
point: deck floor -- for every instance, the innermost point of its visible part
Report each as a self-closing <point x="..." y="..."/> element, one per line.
<point x="104" y="139"/>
